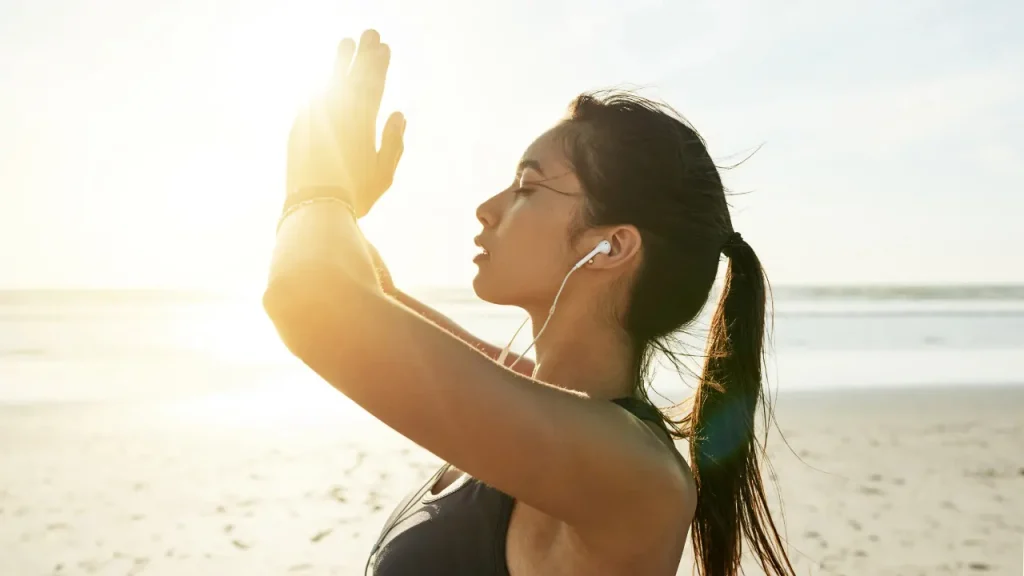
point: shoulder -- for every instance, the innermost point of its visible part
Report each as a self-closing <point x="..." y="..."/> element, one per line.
<point x="675" y="500"/>
<point x="682" y="491"/>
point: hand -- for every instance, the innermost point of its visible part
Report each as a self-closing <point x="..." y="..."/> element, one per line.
<point x="333" y="141"/>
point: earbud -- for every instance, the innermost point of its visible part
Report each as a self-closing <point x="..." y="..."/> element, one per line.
<point x="603" y="247"/>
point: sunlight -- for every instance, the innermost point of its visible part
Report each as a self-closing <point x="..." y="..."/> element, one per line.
<point x="275" y="78"/>
<point x="302" y="401"/>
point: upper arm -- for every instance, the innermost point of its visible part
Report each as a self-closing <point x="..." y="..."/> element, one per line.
<point x="556" y="450"/>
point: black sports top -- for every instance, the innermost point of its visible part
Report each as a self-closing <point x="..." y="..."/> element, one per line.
<point x="460" y="530"/>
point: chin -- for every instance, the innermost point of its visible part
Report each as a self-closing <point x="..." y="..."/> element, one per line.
<point x="490" y="291"/>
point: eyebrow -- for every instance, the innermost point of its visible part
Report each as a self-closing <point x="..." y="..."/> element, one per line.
<point x="529" y="163"/>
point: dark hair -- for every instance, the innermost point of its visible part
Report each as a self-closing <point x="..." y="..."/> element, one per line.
<point x="640" y="163"/>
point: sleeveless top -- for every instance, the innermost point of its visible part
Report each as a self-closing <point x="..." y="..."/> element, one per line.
<point x="460" y="530"/>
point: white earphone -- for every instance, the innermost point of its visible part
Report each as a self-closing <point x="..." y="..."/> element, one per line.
<point x="603" y="247"/>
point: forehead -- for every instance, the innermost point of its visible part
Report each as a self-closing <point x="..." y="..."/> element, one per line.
<point x="548" y="150"/>
<point x="546" y="155"/>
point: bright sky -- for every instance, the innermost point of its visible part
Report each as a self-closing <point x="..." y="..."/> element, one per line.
<point x="142" y="142"/>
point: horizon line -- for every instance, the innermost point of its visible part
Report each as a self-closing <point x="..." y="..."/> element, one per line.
<point x="823" y="286"/>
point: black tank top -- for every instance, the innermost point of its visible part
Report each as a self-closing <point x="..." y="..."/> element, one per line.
<point x="460" y="530"/>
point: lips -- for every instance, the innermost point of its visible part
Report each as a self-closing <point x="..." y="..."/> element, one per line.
<point x="484" y="253"/>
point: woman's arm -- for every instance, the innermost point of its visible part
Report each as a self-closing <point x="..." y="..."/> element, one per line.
<point x="555" y="450"/>
<point x="524" y="366"/>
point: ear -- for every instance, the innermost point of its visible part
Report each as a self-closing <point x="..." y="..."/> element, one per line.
<point x="625" y="241"/>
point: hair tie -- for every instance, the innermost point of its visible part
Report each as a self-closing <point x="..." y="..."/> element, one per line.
<point x="731" y="243"/>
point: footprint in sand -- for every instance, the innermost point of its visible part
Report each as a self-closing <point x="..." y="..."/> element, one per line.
<point x="337" y="493"/>
<point x="870" y="491"/>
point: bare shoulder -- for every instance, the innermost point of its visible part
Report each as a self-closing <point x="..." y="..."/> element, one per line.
<point x="666" y="523"/>
<point x="686" y="484"/>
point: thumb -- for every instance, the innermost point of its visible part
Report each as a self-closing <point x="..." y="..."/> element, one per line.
<point x="391" y="148"/>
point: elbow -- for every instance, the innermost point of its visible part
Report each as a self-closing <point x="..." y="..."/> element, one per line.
<point x="310" y="308"/>
<point x="300" y="304"/>
<point x="280" y="301"/>
<point x="288" y="305"/>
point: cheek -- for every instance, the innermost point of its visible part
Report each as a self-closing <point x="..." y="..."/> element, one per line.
<point x="537" y="248"/>
<point x="526" y="233"/>
<point x="527" y="260"/>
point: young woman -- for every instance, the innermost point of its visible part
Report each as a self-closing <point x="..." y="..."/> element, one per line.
<point x="613" y="226"/>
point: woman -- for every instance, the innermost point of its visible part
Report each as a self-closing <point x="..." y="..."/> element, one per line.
<point x="562" y="467"/>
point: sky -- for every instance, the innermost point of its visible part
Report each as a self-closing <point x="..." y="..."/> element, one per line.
<point x="142" y="143"/>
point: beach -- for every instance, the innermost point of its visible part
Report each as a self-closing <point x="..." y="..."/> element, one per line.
<point x="162" y="434"/>
<point x="926" y="481"/>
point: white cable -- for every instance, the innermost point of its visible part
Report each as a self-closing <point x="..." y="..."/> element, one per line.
<point x="603" y="247"/>
<point x="504" y="352"/>
<point x="542" y="328"/>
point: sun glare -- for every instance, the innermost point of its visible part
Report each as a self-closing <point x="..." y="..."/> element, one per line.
<point x="274" y="62"/>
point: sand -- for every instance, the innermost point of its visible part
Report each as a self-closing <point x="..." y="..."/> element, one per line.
<point x="873" y="482"/>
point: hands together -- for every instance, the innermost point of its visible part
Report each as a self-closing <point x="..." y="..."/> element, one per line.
<point x="333" y="140"/>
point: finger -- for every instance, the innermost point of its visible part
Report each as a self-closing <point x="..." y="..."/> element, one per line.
<point x="368" y="59"/>
<point x="343" y="60"/>
<point x="390" y="153"/>
<point x="369" y="39"/>
<point x="378" y="72"/>
<point x="336" y="96"/>
<point x="370" y="88"/>
<point x="366" y="85"/>
<point x="391" y="147"/>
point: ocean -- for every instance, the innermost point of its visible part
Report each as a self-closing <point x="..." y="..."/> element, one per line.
<point x="73" y="346"/>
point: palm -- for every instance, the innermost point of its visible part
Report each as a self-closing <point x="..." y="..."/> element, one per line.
<point x="333" y="141"/>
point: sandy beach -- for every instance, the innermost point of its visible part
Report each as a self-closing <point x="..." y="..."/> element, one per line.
<point x="873" y="482"/>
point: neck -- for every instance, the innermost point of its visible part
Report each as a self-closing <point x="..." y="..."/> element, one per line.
<point x="582" y="351"/>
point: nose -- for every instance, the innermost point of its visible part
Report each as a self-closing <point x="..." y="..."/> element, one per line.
<point x="489" y="212"/>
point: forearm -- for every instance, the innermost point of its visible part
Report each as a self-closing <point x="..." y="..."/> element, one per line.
<point x="322" y="244"/>
<point x="437" y="318"/>
<point x="525" y="366"/>
<point x="442" y="321"/>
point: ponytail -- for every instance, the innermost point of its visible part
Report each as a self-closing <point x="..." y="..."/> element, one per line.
<point x="731" y="502"/>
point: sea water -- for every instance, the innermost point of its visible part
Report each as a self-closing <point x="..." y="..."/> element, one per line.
<point x="104" y="345"/>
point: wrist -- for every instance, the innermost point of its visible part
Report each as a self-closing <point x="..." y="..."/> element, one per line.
<point x="302" y="194"/>
<point x="292" y="207"/>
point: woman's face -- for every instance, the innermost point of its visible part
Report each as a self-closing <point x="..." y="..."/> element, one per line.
<point x="526" y="230"/>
